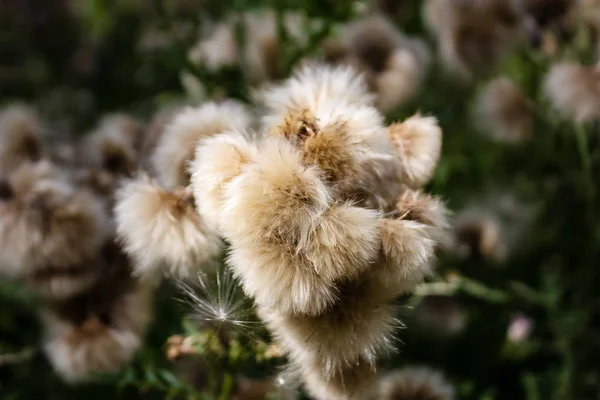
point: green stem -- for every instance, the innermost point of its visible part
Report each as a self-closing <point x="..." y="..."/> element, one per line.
<point x="582" y="147"/>
<point x="227" y="386"/>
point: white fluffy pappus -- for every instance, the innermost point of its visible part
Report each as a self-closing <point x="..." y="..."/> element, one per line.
<point x="162" y="230"/>
<point x="219" y="302"/>
<point x="82" y="342"/>
<point x="418" y="143"/>
<point x="574" y="91"/>
<point x="310" y="87"/>
<point x="176" y="147"/>
<point x="415" y="383"/>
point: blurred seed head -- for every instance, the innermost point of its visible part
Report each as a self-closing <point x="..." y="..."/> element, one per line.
<point x="503" y="112"/>
<point x="415" y="383"/>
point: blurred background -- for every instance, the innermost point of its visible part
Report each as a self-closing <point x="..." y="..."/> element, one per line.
<point x="513" y="309"/>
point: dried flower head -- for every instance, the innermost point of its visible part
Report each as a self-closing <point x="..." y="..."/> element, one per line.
<point x="218" y="49"/>
<point x="304" y="242"/>
<point x="46" y="222"/>
<point x="372" y="40"/>
<point x="491" y="228"/>
<point x="471" y="34"/>
<point x="261" y="51"/>
<point x="218" y="160"/>
<point x="574" y="91"/>
<point x="108" y="154"/>
<point x="418" y="143"/>
<point x="403" y="74"/>
<point x="176" y="147"/>
<point x="503" y="112"/>
<point x="394" y="65"/>
<point x="20" y="137"/>
<point x="100" y="330"/>
<point x="162" y="230"/>
<point x="329" y="116"/>
<point x="415" y="383"/>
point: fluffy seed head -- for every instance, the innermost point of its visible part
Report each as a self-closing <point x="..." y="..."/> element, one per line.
<point x="176" y="146"/>
<point x="473" y="35"/>
<point x="503" y="111"/>
<point x="574" y="91"/>
<point x="218" y="160"/>
<point x="402" y="76"/>
<point x="418" y="143"/>
<point x="46" y="222"/>
<point x="162" y="229"/>
<point x="219" y="49"/>
<point x="110" y="148"/>
<point x="372" y="39"/>
<point x="20" y="137"/>
<point x="91" y="335"/>
<point x="415" y="383"/>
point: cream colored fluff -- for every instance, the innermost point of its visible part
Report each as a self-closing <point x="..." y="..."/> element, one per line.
<point x="418" y="143"/>
<point x="218" y="160"/>
<point x="104" y="341"/>
<point x="45" y="222"/>
<point x="162" y="230"/>
<point x="20" y="137"/>
<point x="574" y="92"/>
<point x="278" y="201"/>
<point x="415" y="382"/>
<point x="319" y="264"/>
<point x="503" y="112"/>
<point x="328" y="114"/>
<point x="176" y="147"/>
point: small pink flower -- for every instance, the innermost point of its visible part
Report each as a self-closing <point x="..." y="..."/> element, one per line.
<point x="520" y="328"/>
